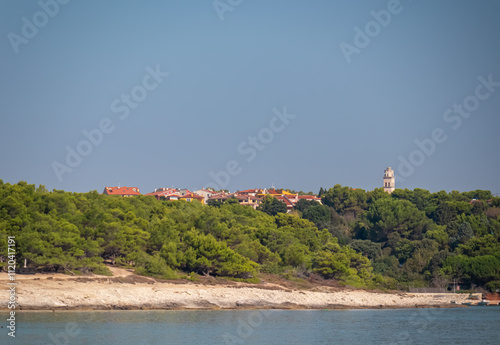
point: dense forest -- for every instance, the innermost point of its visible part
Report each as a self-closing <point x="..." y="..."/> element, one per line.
<point x="358" y="238"/>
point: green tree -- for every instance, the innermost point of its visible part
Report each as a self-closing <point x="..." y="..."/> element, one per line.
<point x="318" y="214"/>
<point x="272" y="206"/>
<point x="345" y="200"/>
<point x="214" y="203"/>
<point x="371" y="250"/>
<point x="303" y="204"/>
<point x="386" y="217"/>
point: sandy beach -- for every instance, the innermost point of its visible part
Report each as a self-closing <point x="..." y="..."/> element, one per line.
<point x="125" y="290"/>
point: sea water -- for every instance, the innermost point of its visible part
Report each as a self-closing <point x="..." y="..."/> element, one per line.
<point x="474" y="325"/>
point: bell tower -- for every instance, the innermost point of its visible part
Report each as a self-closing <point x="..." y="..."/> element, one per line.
<point x="389" y="180"/>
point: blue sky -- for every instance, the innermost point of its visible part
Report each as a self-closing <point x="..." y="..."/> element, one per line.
<point x="227" y="80"/>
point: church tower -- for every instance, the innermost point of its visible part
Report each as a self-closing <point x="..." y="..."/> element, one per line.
<point x="389" y="180"/>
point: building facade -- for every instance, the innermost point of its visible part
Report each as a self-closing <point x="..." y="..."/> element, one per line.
<point x="389" y="180"/>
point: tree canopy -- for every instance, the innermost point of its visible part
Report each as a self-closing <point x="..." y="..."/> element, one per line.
<point x="359" y="238"/>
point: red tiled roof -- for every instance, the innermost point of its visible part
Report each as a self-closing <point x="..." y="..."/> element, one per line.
<point x="273" y="191"/>
<point x="121" y="191"/>
<point x="246" y="191"/>
<point x="192" y="196"/>
<point x="163" y="193"/>
<point x="245" y="196"/>
<point x="285" y="200"/>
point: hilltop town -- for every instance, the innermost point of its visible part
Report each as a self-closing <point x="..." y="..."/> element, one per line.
<point x="249" y="197"/>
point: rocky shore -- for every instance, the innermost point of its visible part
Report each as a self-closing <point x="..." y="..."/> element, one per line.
<point x="128" y="291"/>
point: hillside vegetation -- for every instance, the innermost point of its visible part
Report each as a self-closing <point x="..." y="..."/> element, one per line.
<point x="363" y="239"/>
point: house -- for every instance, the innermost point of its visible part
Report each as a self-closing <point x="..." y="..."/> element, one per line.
<point x="288" y="202"/>
<point x="169" y="197"/>
<point x="222" y="196"/>
<point x="252" y="192"/>
<point x="164" y="193"/>
<point x="205" y="193"/>
<point x="290" y="199"/>
<point x="247" y="200"/>
<point x="121" y="191"/>
<point x="190" y="197"/>
<point x="243" y="199"/>
<point x="176" y="194"/>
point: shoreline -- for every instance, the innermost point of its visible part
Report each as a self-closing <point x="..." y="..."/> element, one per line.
<point x="298" y="308"/>
<point x="127" y="291"/>
<point x="290" y="307"/>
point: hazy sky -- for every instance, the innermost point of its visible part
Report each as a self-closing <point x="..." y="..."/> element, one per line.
<point x="244" y="94"/>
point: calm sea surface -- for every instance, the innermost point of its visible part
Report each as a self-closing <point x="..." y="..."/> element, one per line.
<point x="477" y="325"/>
